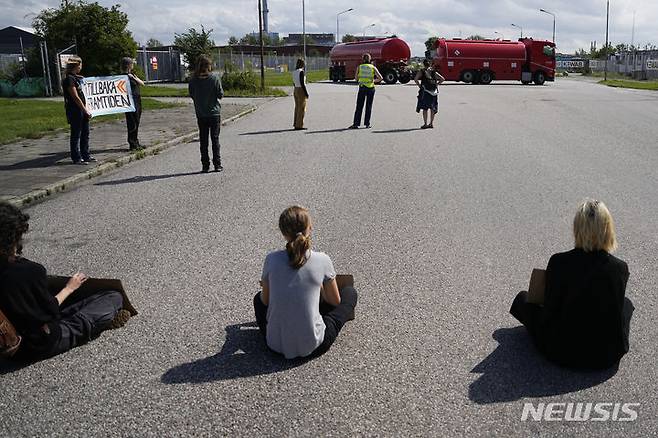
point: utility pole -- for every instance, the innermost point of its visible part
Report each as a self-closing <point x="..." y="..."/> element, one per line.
<point x="607" y="23"/>
<point x="304" y="26"/>
<point x="262" y="49"/>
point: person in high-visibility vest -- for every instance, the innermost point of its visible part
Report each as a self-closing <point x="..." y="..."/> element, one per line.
<point x="366" y="75"/>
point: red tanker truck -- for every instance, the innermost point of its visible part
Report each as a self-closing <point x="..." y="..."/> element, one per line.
<point x="483" y="61"/>
<point x="389" y="55"/>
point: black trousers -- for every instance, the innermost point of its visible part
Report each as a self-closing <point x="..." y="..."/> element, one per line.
<point x="209" y="126"/>
<point x="366" y="95"/>
<point x="86" y="319"/>
<point x="334" y="317"/>
<point x="132" y="123"/>
<point x="79" y="141"/>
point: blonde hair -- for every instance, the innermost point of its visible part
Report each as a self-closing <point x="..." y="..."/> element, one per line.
<point x="593" y="227"/>
<point x="293" y="223"/>
<point x="72" y="63"/>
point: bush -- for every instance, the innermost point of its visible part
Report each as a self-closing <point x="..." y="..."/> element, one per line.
<point x="237" y="80"/>
<point x="12" y="73"/>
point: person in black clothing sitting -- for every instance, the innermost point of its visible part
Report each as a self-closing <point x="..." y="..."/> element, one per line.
<point x="585" y="320"/>
<point x="47" y="327"/>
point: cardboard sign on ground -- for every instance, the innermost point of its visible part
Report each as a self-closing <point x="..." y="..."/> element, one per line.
<point x="89" y="288"/>
<point x="344" y="280"/>
<point x="537" y="286"/>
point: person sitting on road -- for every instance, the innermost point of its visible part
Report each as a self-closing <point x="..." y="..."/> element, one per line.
<point x="428" y="80"/>
<point x="300" y="310"/>
<point x="47" y="326"/>
<point x="585" y="319"/>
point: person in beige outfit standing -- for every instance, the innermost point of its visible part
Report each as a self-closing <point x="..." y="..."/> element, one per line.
<point x="300" y="94"/>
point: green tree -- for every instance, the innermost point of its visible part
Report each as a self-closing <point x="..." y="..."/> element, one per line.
<point x="476" y="37"/>
<point x="233" y="41"/>
<point x="348" y="38"/>
<point x="152" y="42"/>
<point x="100" y="34"/>
<point x="430" y="44"/>
<point x="194" y="44"/>
<point x="251" y="40"/>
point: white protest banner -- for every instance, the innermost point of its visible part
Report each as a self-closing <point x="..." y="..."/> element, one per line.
<point x="652" y="64"/>
<point x="108" y="95"/>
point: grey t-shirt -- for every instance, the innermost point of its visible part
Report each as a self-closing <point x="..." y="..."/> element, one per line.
<point x="294" y="325"/>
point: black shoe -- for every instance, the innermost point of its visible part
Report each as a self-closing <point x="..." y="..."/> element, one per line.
<point x="301" y="129"/>
<point x="218" y="168"/>
<point x="205" y="170"/>
<point x="368" y="126"/>
<point x="82" y="162"/>
<point x="353" y="127"/>
<point x="91" y="159"/>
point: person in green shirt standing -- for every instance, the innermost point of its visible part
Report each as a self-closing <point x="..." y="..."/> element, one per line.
<point x="206" y="90"/>
<point x="366" y="75"/>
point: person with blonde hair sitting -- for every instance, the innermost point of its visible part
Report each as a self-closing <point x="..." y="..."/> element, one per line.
<point x="585" y="318"/>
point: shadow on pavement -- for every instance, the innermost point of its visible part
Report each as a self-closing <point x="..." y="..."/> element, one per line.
<point x="275" y="131"/>
<point x="327" y="131"/>
<point x="389" y="131"/>
<point x="244" y="354"/>
<point x="46" y="160"/>
<point x="516" y="370"/>
<point x="139" y="179"/>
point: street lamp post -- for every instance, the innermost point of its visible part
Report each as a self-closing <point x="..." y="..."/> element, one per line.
<point x="364" y="29"/>
<point x="607" y="22"/>
<point x="498" y="33"/>
<point x="338" y="25"/>
<point x="516" y="25"/>
<point x="304" y="26"/>
<point x="550" y="13"/>
<point x="260" y="34"/>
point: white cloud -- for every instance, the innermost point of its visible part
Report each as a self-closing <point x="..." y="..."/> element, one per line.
<point x="578" y="22"/>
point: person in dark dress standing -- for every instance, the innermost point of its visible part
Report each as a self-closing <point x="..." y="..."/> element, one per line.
<point x="206" y="90"/>
<point x="585" y="319"/>
<point x="41" y="317"/>
<point x="76" y="111"/>
<point x="428" y="80"/>
<point x="133" y="118"/>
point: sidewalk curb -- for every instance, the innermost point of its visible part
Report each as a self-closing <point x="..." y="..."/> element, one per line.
<point x="66" y="184"/>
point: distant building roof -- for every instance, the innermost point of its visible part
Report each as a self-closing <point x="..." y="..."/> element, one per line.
<point x="11" y="38"/>
<point x="292" y="50"/>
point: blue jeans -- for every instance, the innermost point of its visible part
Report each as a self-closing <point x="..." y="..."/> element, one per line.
<point x="79" y="134"/>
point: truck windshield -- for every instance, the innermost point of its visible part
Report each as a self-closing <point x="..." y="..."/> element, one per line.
<point x="549" y="51"/>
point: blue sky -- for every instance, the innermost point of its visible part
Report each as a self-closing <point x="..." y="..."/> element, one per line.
<point x="578" y="21"/>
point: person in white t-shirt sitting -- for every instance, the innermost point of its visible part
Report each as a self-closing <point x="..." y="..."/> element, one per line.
<point x="300" y="310"/>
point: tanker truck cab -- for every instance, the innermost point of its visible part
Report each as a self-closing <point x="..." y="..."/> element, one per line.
<point x="540" y="66"/>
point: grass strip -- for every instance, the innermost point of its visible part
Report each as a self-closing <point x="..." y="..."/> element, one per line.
<point x="34" y="118"/>
<point x="626" y="83"/>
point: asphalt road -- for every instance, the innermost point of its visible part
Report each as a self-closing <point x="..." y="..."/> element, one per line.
<point x="440" y="228"/>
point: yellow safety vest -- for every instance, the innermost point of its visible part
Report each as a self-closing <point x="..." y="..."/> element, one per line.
<point x="367" y="75"/>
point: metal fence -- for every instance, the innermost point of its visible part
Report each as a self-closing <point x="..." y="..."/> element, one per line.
<point x="641" y="64"/>
<point x="9" y="61"/>
<point x="280" y="63"/>
<point x="161" y="65"/>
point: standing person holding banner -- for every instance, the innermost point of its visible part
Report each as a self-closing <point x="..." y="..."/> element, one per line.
<point x="206" y="90"/>
<point x="428" y="80"/>
<point x="77" y="113"/>
<point x="133" y="118"/>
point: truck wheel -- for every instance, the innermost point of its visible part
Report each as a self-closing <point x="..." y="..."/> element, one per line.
<point x="486" y="77"/>
<point x="333" y="74"/>
<point x="525" y="82"/>
<point x="390" y="76"/>
<point x="468" y="76"/>
<point x="540" y="78"/>
<point x="405" y="77"/>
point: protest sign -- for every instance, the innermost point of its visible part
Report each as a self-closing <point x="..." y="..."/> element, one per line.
<point x="108" y="95"/>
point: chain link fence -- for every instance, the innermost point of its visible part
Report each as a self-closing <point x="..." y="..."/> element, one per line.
<point x="279" y="63"/>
